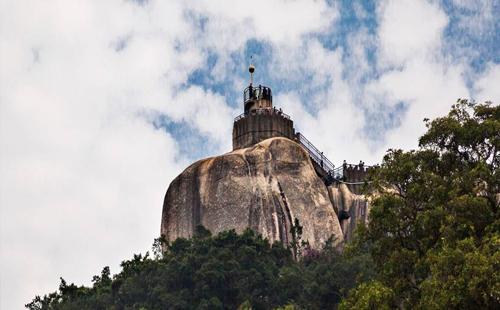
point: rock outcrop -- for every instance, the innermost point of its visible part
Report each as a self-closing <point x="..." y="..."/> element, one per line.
<point x="265" y="187"/>
<point x="351" y="208"/>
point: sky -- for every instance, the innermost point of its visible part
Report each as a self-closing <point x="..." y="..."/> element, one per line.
<point x="103" y="103"/>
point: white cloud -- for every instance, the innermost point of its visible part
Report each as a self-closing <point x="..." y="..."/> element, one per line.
<point x="277" y="21"/>
<point x="487" y="85"/>
<point x="428" y="88"/>
<point x="409" y="29"/>
<point x="206" y="111"/>
<point x="410" y="38"/>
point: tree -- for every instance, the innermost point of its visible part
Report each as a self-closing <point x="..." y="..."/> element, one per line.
<point x="225" y="271"/>
<point x="370" y="296"/>
<point x="434" y="225"/>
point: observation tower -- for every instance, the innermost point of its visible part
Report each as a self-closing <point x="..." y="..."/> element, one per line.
<point x="260" y="119"/>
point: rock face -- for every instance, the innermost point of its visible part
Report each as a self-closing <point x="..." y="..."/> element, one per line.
<point x="264" y="187"/>
<point x="352" y="208"/>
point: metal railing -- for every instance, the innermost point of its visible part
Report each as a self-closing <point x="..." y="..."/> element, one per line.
<point x="332" y="173"/>
<point x="262" y="111"/>
<point x="257" y="92"/>
<point x="338" y="173"/>
<point x="316" y="154"/>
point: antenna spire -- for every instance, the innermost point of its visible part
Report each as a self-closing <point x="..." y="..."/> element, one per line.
<point x="251" y="69"/>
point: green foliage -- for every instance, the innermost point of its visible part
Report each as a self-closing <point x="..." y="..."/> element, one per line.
<point x="369" y="295"/>
<point x="433" y="231"/>
<point x="227" y="271"/>
<point x="464" y="268"/>
<point x="297" y="244"/>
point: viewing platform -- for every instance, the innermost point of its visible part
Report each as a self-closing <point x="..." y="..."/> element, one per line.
<point x="257" y="97"/>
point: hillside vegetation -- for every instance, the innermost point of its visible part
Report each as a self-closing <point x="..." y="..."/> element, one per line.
<point x="432" y="242"/>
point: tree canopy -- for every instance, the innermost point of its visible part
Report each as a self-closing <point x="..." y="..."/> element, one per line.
<point x="227" y="271"/>
<point x="434" y="225"/>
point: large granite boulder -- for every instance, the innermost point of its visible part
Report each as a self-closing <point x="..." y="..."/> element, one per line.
<point x="265" y="187"/>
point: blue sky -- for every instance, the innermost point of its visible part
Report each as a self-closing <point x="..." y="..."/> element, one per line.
<point x="473" y="47"/>
<point x="103" y="103"/>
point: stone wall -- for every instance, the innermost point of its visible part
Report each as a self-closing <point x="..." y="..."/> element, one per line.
<point x="259" y="125"/>
<point x="355" y="174"/>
